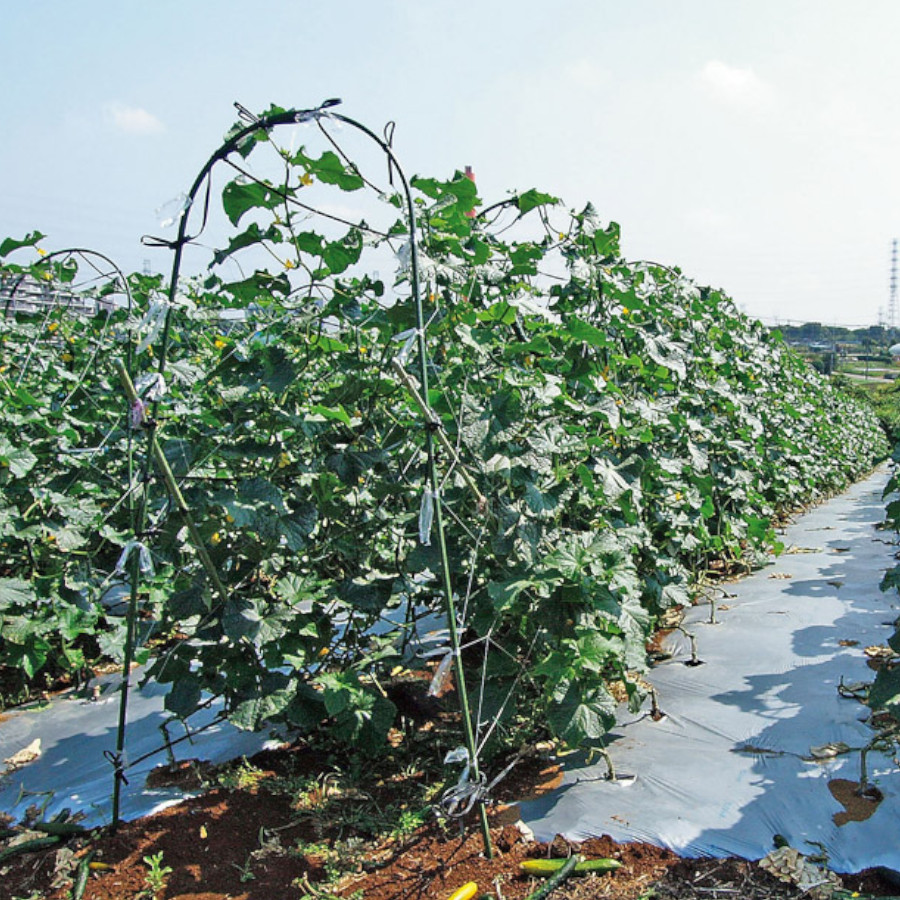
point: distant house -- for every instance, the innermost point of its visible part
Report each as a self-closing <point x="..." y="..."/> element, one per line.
<point x="26" y="294"/>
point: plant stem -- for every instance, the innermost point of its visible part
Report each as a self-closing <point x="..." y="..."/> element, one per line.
<point x="555" y="880"/>
<point x="175" y="492"/>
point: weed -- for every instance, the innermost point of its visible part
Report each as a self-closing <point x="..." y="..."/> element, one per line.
<point x="408" y="821"/>
<point x="155" y="879"/>
<point x="242" y="777"/>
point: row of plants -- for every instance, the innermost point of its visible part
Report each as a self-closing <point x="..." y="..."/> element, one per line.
<point x="884" y="694"/>
<point x="615" y="435"/>
<point x="885" y="398"/>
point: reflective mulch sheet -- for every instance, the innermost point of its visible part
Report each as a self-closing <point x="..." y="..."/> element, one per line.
<point x="67" y="766"/>
<point x="763" y="738"/>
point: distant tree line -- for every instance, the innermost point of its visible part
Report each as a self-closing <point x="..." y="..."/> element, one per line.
<point x="813" y="332"/>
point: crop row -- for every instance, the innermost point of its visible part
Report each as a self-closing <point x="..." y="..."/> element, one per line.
<point x="617" y="437"/>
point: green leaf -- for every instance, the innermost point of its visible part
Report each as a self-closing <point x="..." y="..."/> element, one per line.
<point x="298" y="526"/>
<point x="184" y="697"/>
<point x="15" y="592"/>
<point x="340" y="255"/>
<point x="588" y="334"/>
<point x="524" y="258"/>
<point x="533" y="198"/>
<point x="19" y="460"/>
<point x="885" y="691"/>
<point x="891" y="579"/>
<point x="366" y="722"/>
<point x="260" y="287"/>
<point x="369" y="596"/>
<point x="308" y="242"/>
<point x="30" y="657"/>
<point x="253" y="714"/>
<point x="328" y="344"/>
<point x="239" y="198"/>
<point x="606" y="243"/>
<point x="539" y="502"/>
<point x="67" y="538"/>
<point x="330" y="169"/>
<point x="595" y="650"/>
<point x="240" y="619"/>
<point x="503" y="312"/>
<point x="758" y="529"/>
<point x="461" y="187"/>
<point x="252" y="235"/>
<point x="279" y="371"/>
<point x="112" y="642"/>
<point x="504" y="593"/>
<point x="19" y="629"/>
<point x="339" y="691"/>
<point x="10" y="244"/>
<point x="581" y="719"/>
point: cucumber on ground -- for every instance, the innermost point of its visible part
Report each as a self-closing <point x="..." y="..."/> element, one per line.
<point x="29" y="847"/>
<point x="466" y="892"/>
<point x="544" y="868"/>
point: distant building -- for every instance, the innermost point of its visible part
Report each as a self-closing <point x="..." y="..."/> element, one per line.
<point x="26" y="294"/>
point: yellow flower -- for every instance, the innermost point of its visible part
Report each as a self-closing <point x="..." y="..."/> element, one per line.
<point x="626" y="311"/>
<point x="216" y="538"/>
<point x="290" y="264"/>
<point x="283" y="460"/>
<point x="306" y="179"/>
<point x="41" y="251"/>
<point x="52" y="327"/>
<point x="67" y="357"/>
<point x="363" y="350"/>
<point x="218" y="343"/>
<point x="562" y="236"/>
<point x="229" y="518"/>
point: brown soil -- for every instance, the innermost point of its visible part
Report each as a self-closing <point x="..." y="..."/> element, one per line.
<point x="264" y="840"/>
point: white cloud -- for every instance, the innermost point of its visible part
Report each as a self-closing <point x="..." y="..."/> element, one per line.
<point x="735" y="86"/>
<point x="132" y="119"/>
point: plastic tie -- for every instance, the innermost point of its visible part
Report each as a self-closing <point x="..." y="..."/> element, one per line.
<point x="118" y="764"/>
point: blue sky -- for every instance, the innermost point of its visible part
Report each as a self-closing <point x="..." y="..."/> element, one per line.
<point x="753" y="143"/>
